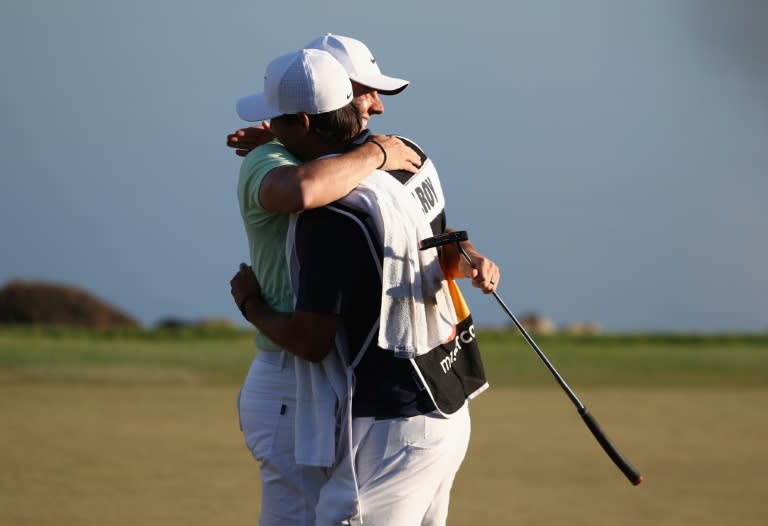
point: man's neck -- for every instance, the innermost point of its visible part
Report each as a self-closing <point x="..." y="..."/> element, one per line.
<point x="321" y="149"/>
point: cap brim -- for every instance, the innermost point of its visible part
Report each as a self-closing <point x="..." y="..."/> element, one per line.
<point x="383" y="84"/>
<point x="254" y="108"/>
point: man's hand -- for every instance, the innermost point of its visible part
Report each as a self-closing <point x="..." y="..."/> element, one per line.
<point x="399" y="155"/>
<point x="308" y="335"/>
<point x="486" y="274"/>
<point x="244" y="286"/>
<point x="246" y="139"/>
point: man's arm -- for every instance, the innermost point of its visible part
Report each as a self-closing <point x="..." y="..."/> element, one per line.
<point x="485" y="275"/>
<point x="307" y="335"/>
<point x="320" y="182"/>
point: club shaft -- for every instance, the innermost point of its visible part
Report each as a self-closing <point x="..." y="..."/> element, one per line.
<point x="575" y="399"/>
<point x="630" y="472"/>
<point x="560" y="380"/>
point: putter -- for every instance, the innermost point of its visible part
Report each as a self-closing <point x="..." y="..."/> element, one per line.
<point x="631" y="473"/>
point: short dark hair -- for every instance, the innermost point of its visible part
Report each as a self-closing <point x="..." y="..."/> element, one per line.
<point x="337" y="126"/>
<point x="340" y="125"/>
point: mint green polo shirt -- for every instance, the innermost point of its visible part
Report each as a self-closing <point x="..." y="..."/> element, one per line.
<point x="266" y="230"/>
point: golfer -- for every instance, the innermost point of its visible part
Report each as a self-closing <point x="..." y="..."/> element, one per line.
<point x="408" y="420"/>
<point x="272" y="183"/>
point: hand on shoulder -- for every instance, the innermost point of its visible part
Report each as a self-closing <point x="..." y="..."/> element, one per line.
<point x="246" y="139"/>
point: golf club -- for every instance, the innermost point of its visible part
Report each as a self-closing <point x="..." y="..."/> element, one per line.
<point x="631" y="473"/>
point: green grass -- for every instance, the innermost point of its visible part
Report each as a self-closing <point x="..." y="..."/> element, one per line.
<point x="222" y="356"/>
<point x="141" y="427"/>
<point x="158" y="455"/>
<point x="630" y="360"/>
<point x="186" y="355"/>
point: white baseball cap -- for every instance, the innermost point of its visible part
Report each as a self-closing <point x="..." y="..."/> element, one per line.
<point x="305" y="81"/>
<point x="358" y="60"/>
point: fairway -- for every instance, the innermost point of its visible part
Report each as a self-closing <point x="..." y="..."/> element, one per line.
<point x="153" y="455"/>
<point x="131" y="440"/>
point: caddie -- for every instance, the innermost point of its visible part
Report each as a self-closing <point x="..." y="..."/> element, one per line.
<point x="272" y="183"/>
<point x="375" y="317"/>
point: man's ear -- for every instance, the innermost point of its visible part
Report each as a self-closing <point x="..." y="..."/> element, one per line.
<point x="304" y="121"/>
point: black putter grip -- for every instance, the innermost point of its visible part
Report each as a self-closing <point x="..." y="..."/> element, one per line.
<point x="631" y="473"/>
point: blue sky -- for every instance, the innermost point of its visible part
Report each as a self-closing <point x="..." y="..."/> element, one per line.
<point x="611" y="156"/>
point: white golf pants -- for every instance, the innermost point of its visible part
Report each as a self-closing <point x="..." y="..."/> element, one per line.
<point x="404" y="467"/>
<point x="267" y="404"/>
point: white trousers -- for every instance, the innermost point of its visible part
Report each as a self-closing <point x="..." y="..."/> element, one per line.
<point x="404" y="467"/>
<point x="266" y="405"/>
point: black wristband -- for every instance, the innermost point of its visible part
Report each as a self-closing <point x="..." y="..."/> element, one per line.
<point x="374" y="141"/>
<point x="244" y="301"/>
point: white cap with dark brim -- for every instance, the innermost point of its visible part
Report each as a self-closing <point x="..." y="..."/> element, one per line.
<point x="306" y="81"/>
<point x="359" y="62"/>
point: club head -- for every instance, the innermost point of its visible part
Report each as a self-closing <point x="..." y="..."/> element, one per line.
<point x="443" y="239"/>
